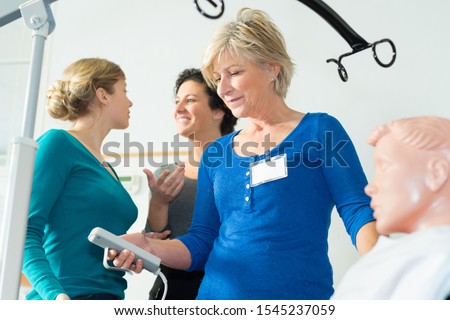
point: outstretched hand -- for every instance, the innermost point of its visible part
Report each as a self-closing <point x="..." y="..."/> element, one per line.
<point x="167" y="186"/>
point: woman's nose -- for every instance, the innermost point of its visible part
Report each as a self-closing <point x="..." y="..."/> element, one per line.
<point x="223" y="87"/>
<point x="179" y="106"/>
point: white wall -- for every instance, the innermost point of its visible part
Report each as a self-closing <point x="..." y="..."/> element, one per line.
<point x="153" y="41"/>
<point x="15" y="47"/>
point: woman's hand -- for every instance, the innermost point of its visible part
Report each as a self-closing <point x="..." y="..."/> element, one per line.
<point x="62" y="296"/>
<point x="126" y="258"/>
<point x="157" y="235"/>
<point x="164" y="190"/>
<point x="167" y="186"/>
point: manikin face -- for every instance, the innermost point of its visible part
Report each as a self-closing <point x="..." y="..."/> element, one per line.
<point x="243" y="85"/>
<point x="399" y="190"/>
<point x="193" y="114"/>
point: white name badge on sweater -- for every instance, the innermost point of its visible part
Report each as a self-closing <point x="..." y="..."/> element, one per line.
<point x="269" y="169"/>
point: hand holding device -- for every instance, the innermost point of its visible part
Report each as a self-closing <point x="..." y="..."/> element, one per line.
<point x="108" y="240"/>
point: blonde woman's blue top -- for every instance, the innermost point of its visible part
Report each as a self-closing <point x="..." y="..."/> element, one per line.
<point x="72" y="193"/>
<point x="270" y="241"/>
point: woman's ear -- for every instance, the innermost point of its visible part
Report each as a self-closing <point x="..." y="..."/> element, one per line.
<point x="218" y="114"/>
<point x="274" y="70"/>
<point x="101" y="95"/>
<point x="437" y="173"/>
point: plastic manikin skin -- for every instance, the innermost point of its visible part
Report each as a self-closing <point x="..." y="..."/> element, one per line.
<point x="410" y="189"/>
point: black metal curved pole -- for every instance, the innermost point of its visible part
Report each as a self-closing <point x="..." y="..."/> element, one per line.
<point x="355" y="41"/>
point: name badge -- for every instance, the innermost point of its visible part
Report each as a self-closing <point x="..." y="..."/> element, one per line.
<point x="269" y="169"/>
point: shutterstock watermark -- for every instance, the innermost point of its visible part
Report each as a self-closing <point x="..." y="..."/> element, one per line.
<point x="219" y="154"/>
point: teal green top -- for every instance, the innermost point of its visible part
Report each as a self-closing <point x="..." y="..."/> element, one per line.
<point x="71" y="194"/>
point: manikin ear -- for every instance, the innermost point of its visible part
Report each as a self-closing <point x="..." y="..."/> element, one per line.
<point x="218" y="114"/>
<point x="101" y="95"/>
<point x="437" y="173"/>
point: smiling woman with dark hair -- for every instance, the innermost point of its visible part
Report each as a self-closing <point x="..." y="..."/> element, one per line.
<point x="201" y="116"/>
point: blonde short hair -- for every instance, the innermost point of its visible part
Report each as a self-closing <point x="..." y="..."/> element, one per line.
<point x="256" y="38"/>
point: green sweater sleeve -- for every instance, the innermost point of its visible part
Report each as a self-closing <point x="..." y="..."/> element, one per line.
<point x="48" y="181"/>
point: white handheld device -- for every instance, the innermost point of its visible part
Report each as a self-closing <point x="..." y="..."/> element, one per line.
<point x="106" y="239"/>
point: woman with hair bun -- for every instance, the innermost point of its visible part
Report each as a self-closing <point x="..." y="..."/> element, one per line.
<point x="75" y="189"/>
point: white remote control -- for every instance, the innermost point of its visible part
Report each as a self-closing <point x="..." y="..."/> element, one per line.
<point x="106" y="239"/>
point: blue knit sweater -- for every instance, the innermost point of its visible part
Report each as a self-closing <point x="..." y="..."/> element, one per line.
<point x="270" y="241"/>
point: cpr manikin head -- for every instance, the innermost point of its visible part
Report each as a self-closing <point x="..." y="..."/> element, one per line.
<point x="410" y="190"/>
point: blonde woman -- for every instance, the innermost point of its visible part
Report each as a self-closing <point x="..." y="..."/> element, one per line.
<point x="75" y="189"/>
<point x="266" y="192"/>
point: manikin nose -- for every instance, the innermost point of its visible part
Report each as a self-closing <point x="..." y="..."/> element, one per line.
<point x="370" y="189"/>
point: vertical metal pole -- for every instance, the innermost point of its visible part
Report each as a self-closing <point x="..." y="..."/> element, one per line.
<point x="32" y="94"/>
<point x="15" y="220"/>
<point x="37" y="15"/>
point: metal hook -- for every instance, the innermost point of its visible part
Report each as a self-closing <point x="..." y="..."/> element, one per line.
<point x="356" y="42"/>
<point x="215" y="5"/>
<point x="343" y="73"/>
<point x="341" y="70"/>
<point x="375" y="56"/>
